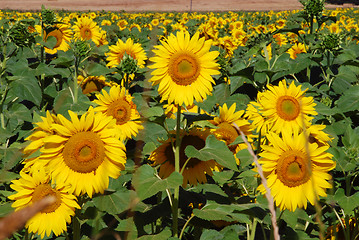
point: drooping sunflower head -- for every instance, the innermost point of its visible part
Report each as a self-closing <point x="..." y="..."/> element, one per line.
<point x="287" y="108"/>
<point x="84" y="152"/>
<point x="87" y="29"/>
<point x="34" y="187"/>
<point x="118" y="104"/>
<point x="294" y="175"/>
<point x="194" y="170"/>
<point x="92" y="84"/>
<point x="183" y="68"/>
<point x="118" y="51"/>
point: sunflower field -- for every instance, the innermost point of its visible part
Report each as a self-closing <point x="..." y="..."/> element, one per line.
<point x="230" y="125"/>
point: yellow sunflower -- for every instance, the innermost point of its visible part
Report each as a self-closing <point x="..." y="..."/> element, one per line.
<point x="286" y="108"/>
<point x="227" y="123"/>
<point x="253" y="113"/>
<point x="296" y="49"/>
<point x="63" y="34"/>
<point x="32" y="188"/>
<point x="183" y="68"/>
<point x="92" y="84"/>
<point x="84" y="152"/>
<point x="87" y="29"/>
<point x="42" y="130"/>
<point x="317" y="135"/>
<point x="292" y="177"/>
<point x="117" y="52"/>
<point x="194" y="170"/>
<point x="118" y="105"/>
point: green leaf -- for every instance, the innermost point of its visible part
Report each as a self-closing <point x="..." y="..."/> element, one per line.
<point x="64" y="101"/>
<point x="7" y="176"/>
<point x="96" y="69"/>
<point x="115" y="203"/>
<point x="165" y="234"/>
<point x="350" y="100"/>
<point x="345" y="202"/>
<point x="126" y="225"/>
<point x="152" y="112"/>
<point x="211" y="234"/>
<point x="26" y="88"/>
<point x="147" y="184"/>
<point x="5" y="209"/>
<point x="213" y="150"/>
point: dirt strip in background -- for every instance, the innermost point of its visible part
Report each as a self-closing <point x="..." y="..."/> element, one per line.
<point x="157" y="5"/>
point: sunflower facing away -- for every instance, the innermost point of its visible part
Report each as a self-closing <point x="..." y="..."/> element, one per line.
<point x="84" y="152"/>
<point x="292" y="177"/>
<point x="286" y="108"/>
<point x="63" y="34"/>
<point x="86" y="29"/>
<point x="118" y="104"/>
<point x="92" y="84"/>
<point x="117" y="52"/>
<point x="32" y="188"/>
<point x="183" y="68"/>
<point x="195" y="170"/>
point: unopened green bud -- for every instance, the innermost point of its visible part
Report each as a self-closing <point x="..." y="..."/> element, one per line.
<point x="48" y="16"/>
<point x="128" y="64"/>
<point x="20" y="35"/>
<point x="331" y="42"/>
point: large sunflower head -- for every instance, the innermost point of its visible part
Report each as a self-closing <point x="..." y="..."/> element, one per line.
<point x="87" y="29"/>
<point x="118" y="51"/>
<point x="32" y="188"/>
<point x="194" y="170"/>
<point x="84" y="152"/>
<point x="118" y="104"/>
<point x="183" y="68"/>
<point x="287" y="109"/>
<point x="294" y="175"/>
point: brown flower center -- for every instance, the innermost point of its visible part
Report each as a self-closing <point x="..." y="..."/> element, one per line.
<point x="288" y="108"/>
<point x="184" y="68"/>
<point x="84" y="152"/>
<point x="120" y="110"/>
<point x="293" y="168"/>
<point x="44" y="190"/>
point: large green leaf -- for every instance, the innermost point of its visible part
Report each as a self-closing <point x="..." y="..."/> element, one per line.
<point x="345" y="202"/>
<point x="147" y="184"/>
<point x="165" y="234"/>
<point x="213" y="150"/>
<point x="116" y="202"/>
<point x="26" y="88"/>
<point x="350" y="100"/>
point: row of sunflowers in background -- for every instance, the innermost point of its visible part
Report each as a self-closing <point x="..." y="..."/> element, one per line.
<point x="143" y="125"/>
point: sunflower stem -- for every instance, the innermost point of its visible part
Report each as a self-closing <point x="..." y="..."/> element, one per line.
<point x="177" y="169"/>
<point x="76" y="226"/>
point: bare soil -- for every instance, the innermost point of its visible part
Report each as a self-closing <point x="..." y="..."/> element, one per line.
<point x="157" y="5"/>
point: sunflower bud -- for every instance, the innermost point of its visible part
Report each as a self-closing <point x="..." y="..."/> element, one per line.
<point x="81" y="48"/>
<point x="331" y="42"/>
<point x="48" y="16"/>
<point x="20" y="35"/>
<point x="128" y="64"/>
<point x="313" y="8"/>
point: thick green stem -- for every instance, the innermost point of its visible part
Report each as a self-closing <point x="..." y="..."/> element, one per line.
<point x="76" y="85"/>
<point x="76" y="235"/>
<point x="177" y="169"/>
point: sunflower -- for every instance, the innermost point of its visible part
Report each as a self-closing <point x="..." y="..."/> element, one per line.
<point x="117" y="52"/>
<point x="86" y="29"/>
<point x="32" y="188"/>
<point x="183" y="68"/>
<point x="118" y="104"/>
<point x="194" y="170"/>
<point x="296" y="49"/>
<point x="84" y="152"/>
<point x="253" y="113"/>
<point x="227" y="123"/>
<point x="42" y="130"/>
<point x="63" y="34"/>
<point x="286" y="109"/>
<point x="294" y="175"/>
<point x="92" y="84"/>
